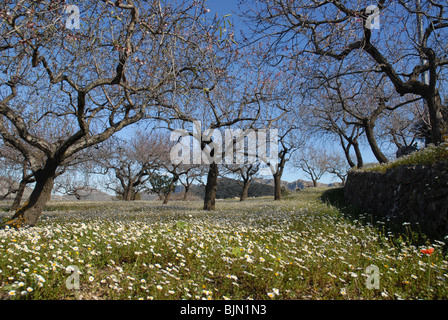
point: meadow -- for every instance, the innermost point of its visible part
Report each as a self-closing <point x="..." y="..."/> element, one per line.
<point x="297" y="248"/>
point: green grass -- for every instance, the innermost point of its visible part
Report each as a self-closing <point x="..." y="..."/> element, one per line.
<point x="426" y="156"/>
<point x="297" y="248"/>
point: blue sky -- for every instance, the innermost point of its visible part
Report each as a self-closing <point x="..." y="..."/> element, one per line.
<point x="222" y="6"/>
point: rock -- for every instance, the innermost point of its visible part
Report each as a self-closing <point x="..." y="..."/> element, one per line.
<point x="418" y="194"/>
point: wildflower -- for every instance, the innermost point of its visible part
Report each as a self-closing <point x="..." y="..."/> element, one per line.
<point x="271" y="294"/>
<point x="428" y="251"/>
<point x="276" y="291"/>
<point x="233" y="277"/>
<point x="159" y="287"/>
<point x="91" y="278"/>
<point x="29" y="289"/>
<point x="343" y="291"/>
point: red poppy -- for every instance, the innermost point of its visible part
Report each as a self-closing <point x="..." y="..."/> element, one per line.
<point x="427" y="251"/>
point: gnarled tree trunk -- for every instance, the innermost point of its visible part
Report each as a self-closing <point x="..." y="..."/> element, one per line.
<point x="368" y="125"/>
<point x="128" y="194"/>
<point x="439" y="129"/>
<point x="185" y="198"/>
<point x="211" y="187"/>
<point x="277" y="186"/>
<point x="278" y="174"/>
<point x="29" y="213"/>
<point x="245" y="191"/>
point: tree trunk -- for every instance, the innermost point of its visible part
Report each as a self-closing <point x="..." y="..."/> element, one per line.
<point x="359" y="161"/>
<point x="314" y="183"/>
<point x="372" y="142"/>
<point x="277" y="186"/>
<point x="170" y="190"/>
<point x="347" y="153"/>
<point x="278" y="174"/>
<point x="211" y="187"/>
<point x="167" y="196"/>
<point x="29" y="213"/>
<point x="438" y="127"/>
<point x="245" y="191"/>
<point x="187" y="188"/>
<point x="127" y="193"/>
<point x="19" y="195"/>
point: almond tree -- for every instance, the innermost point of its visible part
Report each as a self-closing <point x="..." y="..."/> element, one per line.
<point x="195" y="174"/>
<point x="364" y="107"/>
<point x="314" y="162"/>
<point x="130" y="162"/>
<point x="246" y="173"/>
<point x="403" y="40"/>
<point x="245" y="95"/>
<point x="329" y="120"/>
<point x="125" y="59"/>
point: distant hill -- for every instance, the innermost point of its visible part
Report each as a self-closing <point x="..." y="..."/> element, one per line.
<point x="293" y="186"/>
<point x="230" y="188"/>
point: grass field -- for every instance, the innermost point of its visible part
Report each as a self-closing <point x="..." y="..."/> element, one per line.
<point x="297" y="248"/>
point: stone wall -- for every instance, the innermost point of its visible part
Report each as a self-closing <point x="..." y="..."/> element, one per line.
<point x="414" y="194"/>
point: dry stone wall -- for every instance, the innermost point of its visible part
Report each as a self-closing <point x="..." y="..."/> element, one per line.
<point x="414" y="194"/>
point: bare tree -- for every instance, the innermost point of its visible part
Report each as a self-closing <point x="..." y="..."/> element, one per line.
<point x="338" y="166"/>
<point x="116" y="69"/>
<point x="408" y="50"/>
<point x="176" y="172"/>
<point x="291" y="138"/>
<point x="329" y="120"/>
<point x="245" y="174"/>
<point x="195" y="174"/>
<point x="75" y="181"/>
<point x="246" y="96"/>
<point x="132" y="161"/>
<point x="314" y="162"/>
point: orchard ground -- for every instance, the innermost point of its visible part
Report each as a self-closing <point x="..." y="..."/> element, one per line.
<point x="301" y="247"/>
